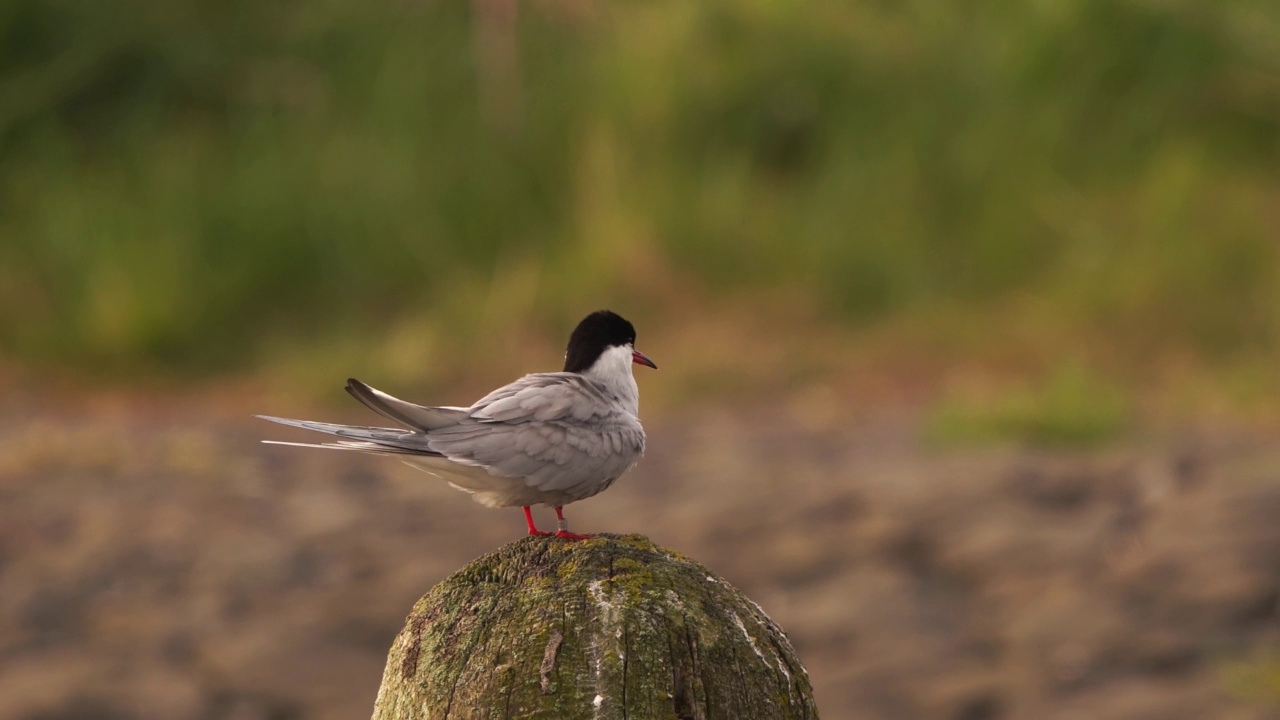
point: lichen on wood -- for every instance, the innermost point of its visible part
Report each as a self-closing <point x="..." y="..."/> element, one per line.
<point x="612" y="627"/>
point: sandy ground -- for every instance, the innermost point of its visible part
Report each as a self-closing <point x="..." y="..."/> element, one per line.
<point x="150" y="568"/>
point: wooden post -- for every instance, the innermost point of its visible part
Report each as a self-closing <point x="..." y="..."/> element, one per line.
<point x="612" y="627"/>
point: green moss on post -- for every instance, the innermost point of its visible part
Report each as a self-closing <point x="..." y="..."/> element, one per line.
<point x="613" y="627"/>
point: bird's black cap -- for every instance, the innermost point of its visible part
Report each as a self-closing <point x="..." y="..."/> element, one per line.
<point x="596" y="333"/>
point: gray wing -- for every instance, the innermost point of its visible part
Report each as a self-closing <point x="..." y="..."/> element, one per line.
<point x="415" y="416"/>
<point x="558" y="431"/>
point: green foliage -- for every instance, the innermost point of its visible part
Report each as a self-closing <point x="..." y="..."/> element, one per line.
<point x="1072" y="407"/>
<point x="180" y="182"/>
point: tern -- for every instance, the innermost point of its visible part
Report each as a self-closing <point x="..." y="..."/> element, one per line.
<point x="546" y="439"/>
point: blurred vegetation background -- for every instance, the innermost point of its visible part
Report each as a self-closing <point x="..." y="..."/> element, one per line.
<point x="841" y="228"/>
<point x="1052" y="215"/>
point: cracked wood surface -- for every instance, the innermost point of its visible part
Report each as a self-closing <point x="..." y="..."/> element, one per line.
<point x="613" y="627"/>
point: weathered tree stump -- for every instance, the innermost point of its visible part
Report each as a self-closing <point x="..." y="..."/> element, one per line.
<point x="613" y="627"/>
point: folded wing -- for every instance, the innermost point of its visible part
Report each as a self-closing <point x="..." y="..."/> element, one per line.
<point x="556" y="433"/>
<point x="418" y="417"/>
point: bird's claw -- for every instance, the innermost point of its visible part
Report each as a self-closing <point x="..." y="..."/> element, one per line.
<point x="565" y="534"/>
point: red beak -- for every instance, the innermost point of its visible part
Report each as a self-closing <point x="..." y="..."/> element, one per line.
<point x="640" y="358"/>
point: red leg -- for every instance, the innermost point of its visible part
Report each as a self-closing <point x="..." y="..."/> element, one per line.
<point x="563" y="531"/>
<point x="528" y="518"/>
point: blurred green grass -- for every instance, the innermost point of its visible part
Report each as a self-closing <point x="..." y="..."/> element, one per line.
<point x="203" y="187"/>
<point x="1072" y="407"/>
<point x="1255" y="680"/>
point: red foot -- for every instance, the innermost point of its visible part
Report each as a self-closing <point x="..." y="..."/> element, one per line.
<point x="565" y="534"/>
<point x="562" y="532"/>
<point x="533" y="529"/>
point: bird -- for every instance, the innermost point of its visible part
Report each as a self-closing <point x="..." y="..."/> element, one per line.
<point x="549" y="438"/>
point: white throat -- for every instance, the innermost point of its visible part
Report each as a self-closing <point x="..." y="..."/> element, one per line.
<point x="613" y="370"/>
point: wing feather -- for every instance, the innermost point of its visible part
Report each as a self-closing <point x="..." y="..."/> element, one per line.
<point x="547" y="437"/>
<point x="418" y="417"/>
<point x="556" y="430"/>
